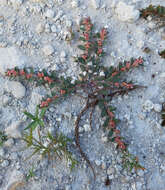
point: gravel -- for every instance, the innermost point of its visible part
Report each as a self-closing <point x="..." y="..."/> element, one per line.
<point x="35" y="34"/>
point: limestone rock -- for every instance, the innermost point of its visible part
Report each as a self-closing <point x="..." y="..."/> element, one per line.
<point x="13" y="130"/>
<point x="10" y="58"/>
<point x="16" y="88"/>
<point x="96" y="4"/>
<point x="48" y="50"/>
<point x="126" y="13"/>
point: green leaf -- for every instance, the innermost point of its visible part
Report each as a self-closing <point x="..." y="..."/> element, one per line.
<point x="81" y="47"/>
<point x="32" y="125"/>
<point x="43" y="112"/>
<point x="29" y="115"/>
<point x="110" y="133"/>
<point x="37" y="111"/>
<point x="103" y="112"/>
<point x="82" y="39"/>
<point x="106" y="122"/>
<point x="41" y="123"/>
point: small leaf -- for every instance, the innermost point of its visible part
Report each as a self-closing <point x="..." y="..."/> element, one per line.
<point x="82" y="39"/>
<point x="110" y="133"/>
<point x="43" y="112"/>
<point x="81" y="47"/>
<point x="29" y="115"/>
<point x="32" y="125"/>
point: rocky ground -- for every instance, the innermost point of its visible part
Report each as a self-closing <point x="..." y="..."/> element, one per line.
<point x="37" y="33"/>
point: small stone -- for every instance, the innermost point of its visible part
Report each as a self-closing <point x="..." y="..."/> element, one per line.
<point x="104" y="139"/>
<point x="102" y="74"/>
<point x="96" y="3"/>
<point x="148" y="106"/>
<point x="157" y="108"/>
<point x="54" y="28"/>
<point x="126" y="13"/>
<point x="75" y="3"/>
<point x="103" y="166"/>
<point x="39" y="28"/>
<point x="63" y="54"/>
<point x="58" y="119"/>
<point x="48" y="50"/>
<point x="5" y="163"/>
<point x="110" y="170"/>
<point x="49" y="13"/>
<point x="98" y="162"/>
<point x="13" y="130"/>
<point x="67" y="187"/>
<point x="9" y="142"/>
<point x="87" y="127"/>
<point x="16" y="88"/>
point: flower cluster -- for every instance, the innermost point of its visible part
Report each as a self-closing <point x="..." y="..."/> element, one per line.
<point x="27" y="75"/>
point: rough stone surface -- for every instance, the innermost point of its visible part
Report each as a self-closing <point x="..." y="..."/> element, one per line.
<point x="16" y="88"/>
<point x="10" y="58"/>
<point x="13" y="130"/>
<point x="126" y="13"/>
<point x="48" y="50"/>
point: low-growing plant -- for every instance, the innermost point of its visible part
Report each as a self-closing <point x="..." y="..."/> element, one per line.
<point x="100" y="84"/>
<point x="157" y="13"/>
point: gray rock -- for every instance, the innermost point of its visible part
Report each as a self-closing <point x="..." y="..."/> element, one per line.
<point x="16" y="88"/>
<point x="126" y="13"/>
<point x="39" y="28"/>
<point x="158" y="108"/>
<point x="49" y="13"/>
<point x="75" y="3"/>
<point x="48" y="50"/>
<point x="10" y="58"/>
<point x="5" y="163"/>
<point x="13" y="130"/>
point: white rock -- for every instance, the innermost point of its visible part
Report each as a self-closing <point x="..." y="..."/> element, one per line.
<point x="10" y="58"/>
<point x="39" y="28"/>
<point x="13" y="130"/>
<point x="148" y="106"/>
<point x="63" y="54"/>
<point x="95" y="4"/>
<point x="126" y="13"/>
<point x="98" y="162"/>
<point x="102" y="74"/>
<point x="49" y="13"/>
<point x="48" y="50"/>
<point x="158" y="107"/>
<point x="54" y="28"/>
<point x="75" y="3"/>
<point x="16" y="88"/>
<point x="87" y="127"/>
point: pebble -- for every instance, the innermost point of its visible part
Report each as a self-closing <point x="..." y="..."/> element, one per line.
<point x="126" y="13"/>
<point x="75" y="3"/>
<point x="13" y="130"/>
<point x="98" y="162"/>
<point x="54" y="28"/>
<point x="48" y="50"/>
<point x="87" y="127"/>
<point x="102" y="74"/>
<point x="110" y="170"/>
<point x="16" y="88"/>
<point x="39" y="28"/>
<point x="148" y="106"/>
<point x="158" y="108"/>
<point x="5" y="163"/>
<point x="16" y="2"/>
<point x="49" y="13"/>
<point x="63" y="54"/>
